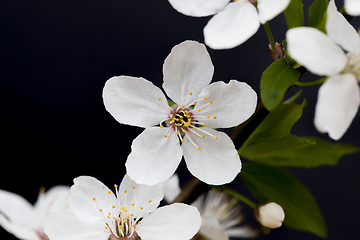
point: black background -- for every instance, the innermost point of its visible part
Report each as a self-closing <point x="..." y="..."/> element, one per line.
<point x="55" y="57"/>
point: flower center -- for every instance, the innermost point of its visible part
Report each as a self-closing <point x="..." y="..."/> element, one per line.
<point x="185" y="119"/>
<point x="353" y="64"/>
<point x="120" y="223"/>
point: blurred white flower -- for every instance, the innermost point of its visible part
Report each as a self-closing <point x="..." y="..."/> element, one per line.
<point x="271" y="215"/>
<point x="234" y="22"/>
<point x="96" y="213"/>
<point x="221" y="217"/>
<point x="25" y="221"/>
<point x="339" y="97"/>
<point x="186" y="128"/>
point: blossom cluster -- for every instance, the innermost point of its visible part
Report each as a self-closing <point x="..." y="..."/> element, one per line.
<point x="184" y="121"/>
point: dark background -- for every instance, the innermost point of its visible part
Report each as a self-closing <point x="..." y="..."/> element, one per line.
<point x="55" y="56"/>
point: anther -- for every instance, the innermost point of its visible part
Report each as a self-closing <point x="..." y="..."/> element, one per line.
<point x="214" y="117"/>
<point x="203" y="136"/>
<point x="208" y="117"/>
<point x="133" y="187"/>
<point x="199" y="110"/>
<point x="150" y="201"/>
<point x="115" y="185"/>
<point x="211" y="103"/>
<point x="159" y="98"/>
<point x="125" y="191"/>
<point x="190" y="93"/>
<point x="161" y="126"/>
<point x="199" y="148"/>
<point x="109" y="192"/>
<point x="205" y="98"/>
<point x="165" y="135"/>
<point x="94" y="199"/>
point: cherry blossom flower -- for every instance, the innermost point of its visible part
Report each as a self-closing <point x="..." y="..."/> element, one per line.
<point x="220" y="214"/>
<point x="221" y="217"/>
<point x="24" y="220"/>
<point x="186" y="128"/>
<point x="96" y="213"/>
<point x="339" y="97"/>
<point x="234" y="22"/>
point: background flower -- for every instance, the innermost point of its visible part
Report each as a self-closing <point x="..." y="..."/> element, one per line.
<point x="24" y="220"/>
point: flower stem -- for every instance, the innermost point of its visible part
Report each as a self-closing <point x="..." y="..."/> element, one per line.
<point x="241" y="198"/>
<point x="269" y="35"/>
<point x="306" y="84"/>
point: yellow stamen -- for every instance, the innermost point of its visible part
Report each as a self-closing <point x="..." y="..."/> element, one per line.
<point x="159" y="98"/>
<point x="133" y="187"/>
<point x="208" y="117"/>
<point x="214" y="117"/>
<point x="165" y="135"/>
<point x="199" y="148"/>
<point x="211" y="103"/>
<point x="109" y="192"/>
<point x="150" y="201"/>
<point x="203" y="136"/>
<point x="125" y="191"/>
<point x="115" y="185"/>
<point x="217" y="138"/>
<point x="190" y="93"/>
<point x="94" y="199"/>
<point x="204" y="124"/>
<point x="113" y="206"/>
<point x="205" y="98"/>
<point x="199" y="110"/>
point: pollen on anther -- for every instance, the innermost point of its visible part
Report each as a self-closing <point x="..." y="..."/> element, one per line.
<point x="150" y="201"/>
<point x="211" y="103"/>
<point x="100" y="210"/>
<point x="103" y="187"/>
<point x="177" y="133"/>
<point x="208" y="117"/>
<point x="195" y="128"/>
<point x="133" y="204"/>
<point x="214" y="117"/>
<point x="159" y="98"/>
<point x="94" y="199"/>
<point x="113" y="206"/>
<point x="199" y="110"/>
<point x="204" y="124"/>
<point x="199" y="148"/>
<point x="109" y="192"/>
<point x="125" y="191"/>
<point x="133" y="187"/>
<point x="165" y="135"/>
<point x="203" y="136"/>
<point x="141" y="208"/>
<point x="105" y="227"/>
<point x="115" y="185"/>
<point x="190" y="93"/>
<point x="139" y="222"/>
<point x="182" y="140"/>
<point x="205" y="98"/>
<point x="217" y="138"/>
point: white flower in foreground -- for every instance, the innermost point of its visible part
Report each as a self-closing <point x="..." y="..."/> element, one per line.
<point x="234" y="22"/>
<point x="339" y="97"/>
<point x="96" y="213"/>
<point x="25" y="221"/>
<point x="271" y="215"/>
<point x="186" y="128"/>
<point x="221" y="216"/>
<point x="352" y="7"/>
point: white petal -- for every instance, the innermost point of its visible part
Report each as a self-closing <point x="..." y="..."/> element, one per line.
<point x="153" y="158"/>
<point x="315" y="50"/>
<point x="340" y="30"/>
<point x="352" y="7"/>
<point x="172" y="188"/>
<point x="268" y="9"/>
<point x="211" y="229"/>
<point x="143" y="194"/>
<point x="187" y="68"/>
<point x="84" y="190"/>
<point x="16" y="209"/>
<point x="52" y="201"/>
<point x="337" y="104"/>
<point x="20" y="231"/>
<point x="66" y="225"/>
<point x="134" y="101"/>
<point x="232" y="104"/>
<point x="217" y="162"/>
<point x="232" y="26"/>
<point x="198" y="8"/>
<point x="177" y="221"/>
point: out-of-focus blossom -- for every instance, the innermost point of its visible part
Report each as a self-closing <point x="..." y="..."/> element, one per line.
<point x="339" y="97"/>
<point x="24" y="220"/>
<point x="234" y="22"/>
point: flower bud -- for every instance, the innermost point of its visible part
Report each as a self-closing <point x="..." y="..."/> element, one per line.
<point x="271" y="215"/>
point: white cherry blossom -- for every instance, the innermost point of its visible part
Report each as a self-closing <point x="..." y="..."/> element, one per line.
<point x="24" y="220"/>
<point x="96" y="213"/>
<point x="220" y="214"/>
<point x="234" y="22"/>
<point x="186" y="128"/>
<point x="336" y="55"/>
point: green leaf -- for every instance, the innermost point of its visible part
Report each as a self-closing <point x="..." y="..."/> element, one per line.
<point x="321" y="153"/>
<point x="269" y="183"/>
<point x="271" y="148"/>
<point x="317" y="14"/>
<point x="294" y="14"/>
<point x="275" y="81"/>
